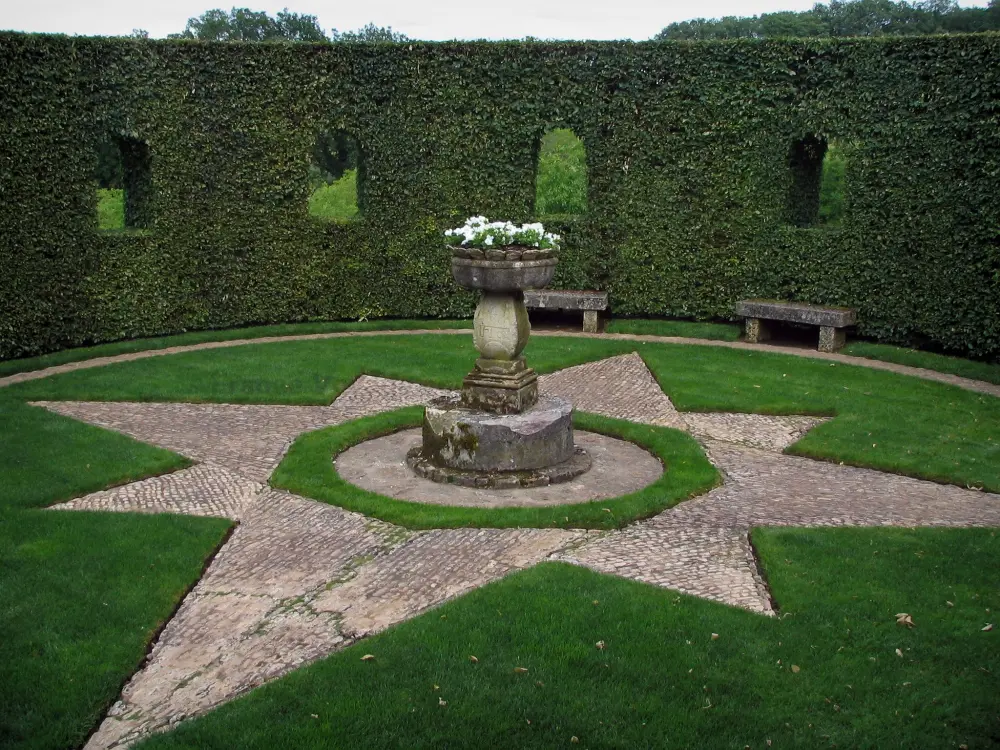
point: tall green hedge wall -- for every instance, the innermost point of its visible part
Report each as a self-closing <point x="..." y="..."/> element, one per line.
<point x="688" y="155"/>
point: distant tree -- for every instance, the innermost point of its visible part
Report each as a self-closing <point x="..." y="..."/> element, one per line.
<point x="139" y="34"/>
<point x="245" y="25"/>
<point x="333" y="154"/>
<point x="109" y="172"/>
<point x="845" y="18"/>
<point x="369" y="33"/>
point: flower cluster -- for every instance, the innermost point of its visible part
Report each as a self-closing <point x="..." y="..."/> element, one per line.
<point x="485" y="234"/>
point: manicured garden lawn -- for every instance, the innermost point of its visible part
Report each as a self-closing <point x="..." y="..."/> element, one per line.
<point x="297" y="372"/>
<point x="685" y="328"/>
<point x="110" y="209"/>
<point x="965" y="368"/>
<point x="826" y="673"/>
<point x="12" y="366"/>
<point x="81" y="594"/>
<point x="81" y="597"/>
<point x="338" y="200"/>
<point x="884" y="420"/>
<point x="308" y="471"/>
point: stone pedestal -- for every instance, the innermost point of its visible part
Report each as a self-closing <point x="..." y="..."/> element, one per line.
<point x="500" y="328"/>
<point x="532" y="448"/>
<point x="500" y="386"/>
<point x="499" y="432"/>
<point x="464" y="438"/>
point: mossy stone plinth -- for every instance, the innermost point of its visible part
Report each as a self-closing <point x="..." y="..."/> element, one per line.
<point x="500" y="386"/>
<point x="577" y="464"/>
<point x="471" y="440"/>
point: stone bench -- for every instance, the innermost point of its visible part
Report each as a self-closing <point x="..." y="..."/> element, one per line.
<point x="562" y="299"/>
<point x="831" y="320"/>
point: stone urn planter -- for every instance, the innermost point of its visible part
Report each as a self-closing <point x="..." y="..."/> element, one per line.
<point x="498" y="433"/>
<point x="501" y="383"/>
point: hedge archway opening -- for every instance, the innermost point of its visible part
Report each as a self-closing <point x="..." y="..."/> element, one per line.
<point x="561" y="174"/>
<point x="335" y="177"/>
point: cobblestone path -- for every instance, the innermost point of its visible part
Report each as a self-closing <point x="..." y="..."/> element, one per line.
<point x="299" y="579"/>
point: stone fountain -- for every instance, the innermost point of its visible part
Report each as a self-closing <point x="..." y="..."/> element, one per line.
<point x="499" y="432"/>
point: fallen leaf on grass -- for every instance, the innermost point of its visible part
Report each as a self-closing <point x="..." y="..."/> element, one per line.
<point x="473" y="659"/>
<point x="442" y="702"/>
<point x="715" y="636"/>
<point x="950" y="604"/>
<point x="795" y="668"/>
<point x="368" y="657"/>
<point x="574" y="739"/>
<point x="989" y="626"/>
<point x="520" y="670"/>
<point x="898" y="652"/>
<point x="600" y="645"/>
<point x="904" y="619"/>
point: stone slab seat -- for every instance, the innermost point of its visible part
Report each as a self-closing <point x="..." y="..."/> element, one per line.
<point x="831" y="320"/>
<point x="568" y="299"/>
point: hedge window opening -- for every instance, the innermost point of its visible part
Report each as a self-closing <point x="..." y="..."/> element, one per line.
<point x="124" y="183"/>
<point x="561" y="176"/>
<point x="336" y="177"/>
<point x="816" y="192"/>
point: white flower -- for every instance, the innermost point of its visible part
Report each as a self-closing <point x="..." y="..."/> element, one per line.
<point x="478" y="231"/>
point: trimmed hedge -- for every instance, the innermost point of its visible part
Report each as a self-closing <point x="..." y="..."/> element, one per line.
<point x="688" y="153"/>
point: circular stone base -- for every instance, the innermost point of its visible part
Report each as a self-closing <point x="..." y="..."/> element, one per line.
<point x="466" y="439"/>
<point x="378" y="465"/>
<point x="574" y="466"/>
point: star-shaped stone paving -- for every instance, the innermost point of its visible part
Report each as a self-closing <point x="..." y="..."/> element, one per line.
<point x="300" y="579"/>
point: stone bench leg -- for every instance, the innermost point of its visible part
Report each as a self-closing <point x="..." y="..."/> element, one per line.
<point x="757" y="331"/>
<point x="831" y="339"/>
<point x="590" y="321"/>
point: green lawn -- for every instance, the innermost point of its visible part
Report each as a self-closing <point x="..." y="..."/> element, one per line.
<point x="824" y="674"/>
<point x="110" y="209"/>
<point x="884" y="420"/>
<point x="965" y="368"/>
<point x="297" y="372"/>
<point x="338" y="200"/>
<point x="686" y="328"/>
<point x="81" y="594"/>
<point x="45" y="457"/>
<point x="27" y="364"/>
<point x="831" y="187"/>
<point x="307" y="470"/>
<point x="561" y="182"/>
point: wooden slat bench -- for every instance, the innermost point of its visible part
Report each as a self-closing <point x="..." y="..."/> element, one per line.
<point x="564" y="299"/>
<point x="831" y="320"/>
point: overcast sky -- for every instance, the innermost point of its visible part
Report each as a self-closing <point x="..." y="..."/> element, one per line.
<point x="420" y="19"/>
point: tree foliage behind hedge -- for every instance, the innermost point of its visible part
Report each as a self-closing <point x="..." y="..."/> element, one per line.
<point x="687" y="148"/>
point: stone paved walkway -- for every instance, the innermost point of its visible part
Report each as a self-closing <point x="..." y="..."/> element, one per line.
<point x="300" y="579"/>
<point x="247" y="439"/>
